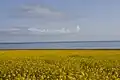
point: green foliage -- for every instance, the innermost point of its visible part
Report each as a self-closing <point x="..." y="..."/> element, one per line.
<point x="66" y="68"/>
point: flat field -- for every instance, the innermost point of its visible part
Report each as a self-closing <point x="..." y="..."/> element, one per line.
<point x="59" y="64"/>
<point x="53" y="54"/>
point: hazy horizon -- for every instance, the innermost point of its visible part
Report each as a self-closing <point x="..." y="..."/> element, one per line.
<point x="59" y="41"/>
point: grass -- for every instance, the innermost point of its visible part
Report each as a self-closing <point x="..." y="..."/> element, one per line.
<point x="60" y="65"/>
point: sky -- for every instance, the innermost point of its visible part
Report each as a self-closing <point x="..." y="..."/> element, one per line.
<point x="98" y="20"/>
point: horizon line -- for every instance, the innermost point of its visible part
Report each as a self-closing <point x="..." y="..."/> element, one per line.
<point x="57" y="42"/>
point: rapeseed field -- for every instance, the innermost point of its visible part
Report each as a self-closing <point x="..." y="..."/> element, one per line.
<point x="60" y="65"/>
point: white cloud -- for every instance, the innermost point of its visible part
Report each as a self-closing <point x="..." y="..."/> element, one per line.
<point x="11" y="29"/>
<point x="51" y="31"/>
<point x="38" y="31"/>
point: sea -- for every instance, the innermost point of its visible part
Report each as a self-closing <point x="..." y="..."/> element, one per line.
<point x="62" y="45"/>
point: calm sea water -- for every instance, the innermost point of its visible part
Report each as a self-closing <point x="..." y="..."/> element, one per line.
<point x="63" y="45"/>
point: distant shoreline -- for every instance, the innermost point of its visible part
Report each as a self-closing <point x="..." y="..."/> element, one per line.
<point x="59" y="49"/>
<point x="55" y="42"/>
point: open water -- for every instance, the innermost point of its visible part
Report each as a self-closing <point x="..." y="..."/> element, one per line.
<point x="63" y="45"/>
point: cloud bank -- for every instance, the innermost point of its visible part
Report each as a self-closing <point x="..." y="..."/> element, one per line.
<point x="38" y="12"/>
<point x="28" y="19"/>
<point x="28" y="16"/>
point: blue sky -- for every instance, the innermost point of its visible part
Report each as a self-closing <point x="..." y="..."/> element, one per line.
<point x="98" y="19"/>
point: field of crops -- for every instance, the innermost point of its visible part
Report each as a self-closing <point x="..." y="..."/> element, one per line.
<point x="60" y="65"/>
